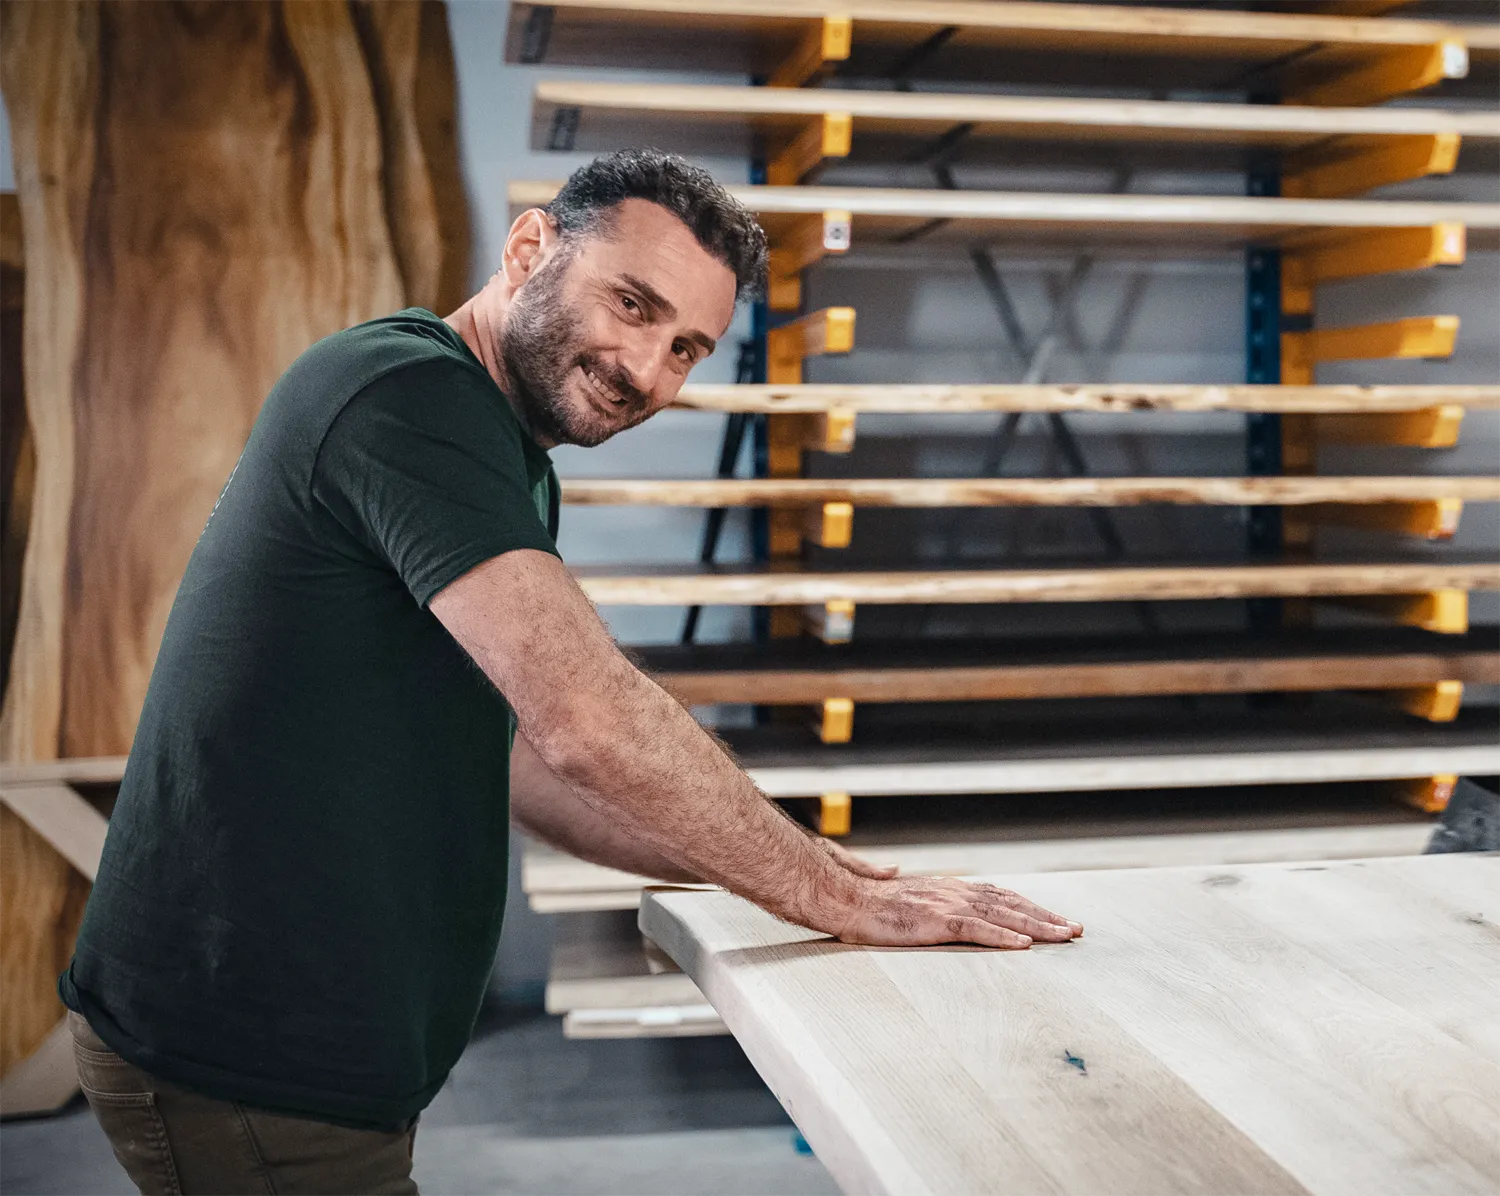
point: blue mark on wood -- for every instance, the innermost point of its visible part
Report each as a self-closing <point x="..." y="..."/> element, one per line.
<point x="799" y="1143"/>
<point x="1076" y="1061"/>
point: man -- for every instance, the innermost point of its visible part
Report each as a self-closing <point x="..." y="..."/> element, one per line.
<point x="375" y="661"/>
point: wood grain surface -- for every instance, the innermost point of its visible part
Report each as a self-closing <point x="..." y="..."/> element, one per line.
<point x="692" y="118"/>
<point x="1021" y="492"/>
<point x="558" y="883"/>
<point x="204" y="190"/>
<point x="1185" y="224"/>
<point x="1278" y="1027"/>
<point x="1038" y="585"/>
<point x="996" y="683"/>
<point x="1132" y="43"/>
<point x="41" y="904"/>
<point x="150" y="345"/>
<point x="810" y="398"/>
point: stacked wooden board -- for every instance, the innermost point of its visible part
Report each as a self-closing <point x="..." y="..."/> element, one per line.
<point x="1273" y="1028"/>
<point x="1328" y="145"/>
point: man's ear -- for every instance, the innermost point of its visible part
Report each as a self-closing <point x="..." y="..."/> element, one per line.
<point x="530" y="239"/>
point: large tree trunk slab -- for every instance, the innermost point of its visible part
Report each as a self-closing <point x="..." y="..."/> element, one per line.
<point x="212" y="187"/>
<point x="205" y="189"/>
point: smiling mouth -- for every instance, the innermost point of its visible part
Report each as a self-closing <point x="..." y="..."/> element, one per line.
<point x="602" y="391"/>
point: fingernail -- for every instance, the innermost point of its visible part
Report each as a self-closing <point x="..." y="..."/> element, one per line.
<point x="1025" y="940"/>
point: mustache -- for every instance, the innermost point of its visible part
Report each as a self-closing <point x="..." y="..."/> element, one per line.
<point x="614" y="377"/>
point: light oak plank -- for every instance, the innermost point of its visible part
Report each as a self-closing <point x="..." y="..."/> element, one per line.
<point x="1187" y="224"/>
<point x="71" y="827"/>
<point x="1337" y="1087"/>
<point x="751" y="36"/>
<point x="44" y="1081"/>
<point x="914" y="1115"/>
<point x="1368" y="1096"/>
<point x="1022" y="492"/>
<point x="1038" y="585"/>
<point x="1120" y="679"/>
<point x="690" y="118"/>
<point x="812" y="398"/>
<point x="556" y="883"/>
<point x="1167" y="771"/>
<point x="80" y="771"/>
<point x="650" y="1021"/>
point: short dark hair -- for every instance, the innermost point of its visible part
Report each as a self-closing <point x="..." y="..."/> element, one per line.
<point x="719" y="221"/>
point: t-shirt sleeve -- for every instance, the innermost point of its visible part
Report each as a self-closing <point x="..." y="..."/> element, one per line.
<point x="426" y="468"/>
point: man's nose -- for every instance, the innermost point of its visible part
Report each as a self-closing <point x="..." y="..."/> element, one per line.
<point x="644" y="360"/>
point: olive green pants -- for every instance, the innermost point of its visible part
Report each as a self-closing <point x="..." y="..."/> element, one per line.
<point x="170" y="1140"/>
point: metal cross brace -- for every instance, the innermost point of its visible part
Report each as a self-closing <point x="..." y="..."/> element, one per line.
<point x="1038" y="354"/>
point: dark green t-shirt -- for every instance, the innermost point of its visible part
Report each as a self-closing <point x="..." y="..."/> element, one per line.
<point x="302" y="887"/>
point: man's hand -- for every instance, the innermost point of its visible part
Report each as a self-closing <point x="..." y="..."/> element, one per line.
<point x="917" y="911"/>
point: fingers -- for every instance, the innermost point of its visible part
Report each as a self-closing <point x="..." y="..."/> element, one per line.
<point x="986" y="934"/>
<point x="1017" y="902"/>
<point x="1022" y="923"/>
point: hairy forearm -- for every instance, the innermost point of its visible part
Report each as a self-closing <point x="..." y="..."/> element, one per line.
<point x="627" y="748"/>
<point x="552" y="811"/>
<point x="637" y="756"/>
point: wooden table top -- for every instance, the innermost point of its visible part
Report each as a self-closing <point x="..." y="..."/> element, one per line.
<point x="1329" y="1027"/>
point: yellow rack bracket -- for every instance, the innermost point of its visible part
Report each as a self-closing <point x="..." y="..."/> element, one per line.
<point x="835" y="720"/>
<point x="1428" y="794"/>
<point x="835" y="814"/>
<point x="811" y="239"/>
<point x="821" y="333"/>
<point x="827" y="41"/>
<point x="1428" y="427"/>
<point x="830" y="525"/>
<point x="1376" y="251"/>
<point x="1429" y="337"/>
<point x="1435" y="519"/>
<point x="1443" y="611"/>
<point x="1395" y="71"/>
<point x="1362" y="164"/>
<point x="1436" y="703"/>
<point x="824" y="137"/>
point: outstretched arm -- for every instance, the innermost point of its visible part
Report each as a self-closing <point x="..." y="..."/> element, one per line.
<point x="633" y="754"/>
<point x="551" y="811"/>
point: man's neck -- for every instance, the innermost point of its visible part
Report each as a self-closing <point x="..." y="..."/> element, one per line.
<point x="473" y="326"/>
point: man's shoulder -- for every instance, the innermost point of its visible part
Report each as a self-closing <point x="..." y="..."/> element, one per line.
<point x="340" y="366"/>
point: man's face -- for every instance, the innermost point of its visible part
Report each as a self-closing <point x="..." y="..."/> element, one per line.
<point x="602" y="335"/>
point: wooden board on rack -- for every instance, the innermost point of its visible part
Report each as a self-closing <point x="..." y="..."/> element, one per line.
<point x="1023" y="492"/>
<point x="1134" y="743"/>
<point x="967" y="670"/>
<point x="1187" y="225"/>
<point x="1263" y="1028"/>
<point x="1017" y="42"/>
<point x="813" y="398"/>
<point x="593" y="116"/>
<point x="1117" y="584"/>
<point x="557" y="883"/>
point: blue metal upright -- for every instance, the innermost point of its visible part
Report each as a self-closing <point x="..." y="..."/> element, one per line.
<point x="1263" y="367"/>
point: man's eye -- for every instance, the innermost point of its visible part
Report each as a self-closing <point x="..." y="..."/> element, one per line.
<point x="682" y="351"/>
<point x="629" y="303"/>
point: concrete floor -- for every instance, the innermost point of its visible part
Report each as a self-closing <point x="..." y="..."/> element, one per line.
<point x="528" y="1111"/>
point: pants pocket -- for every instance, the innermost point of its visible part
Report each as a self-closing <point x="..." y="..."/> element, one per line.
<point x="138" y="1136"/>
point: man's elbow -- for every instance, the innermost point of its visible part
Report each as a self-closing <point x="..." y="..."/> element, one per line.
<point x="571" y="737"/>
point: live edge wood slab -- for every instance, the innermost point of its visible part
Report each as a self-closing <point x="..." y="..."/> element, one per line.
<point x="1325" y="1027"/>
